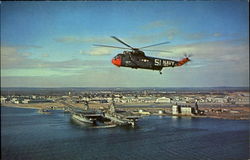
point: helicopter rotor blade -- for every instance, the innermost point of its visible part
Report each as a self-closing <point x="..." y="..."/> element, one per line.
<point x="155" y="45"/>
<point x="155" y="50"/>
<point x="100" y="45"/>
<point x="122" y="42"/>
<point x="188" y="55"/>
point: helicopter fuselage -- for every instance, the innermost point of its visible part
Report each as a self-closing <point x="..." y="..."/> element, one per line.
<point x="139" y="60"/>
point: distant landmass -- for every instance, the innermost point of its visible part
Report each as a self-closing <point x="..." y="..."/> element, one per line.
<point x="65" y="90"/>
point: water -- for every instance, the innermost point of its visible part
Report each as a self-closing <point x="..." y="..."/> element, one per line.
<point x="28" y="135"/>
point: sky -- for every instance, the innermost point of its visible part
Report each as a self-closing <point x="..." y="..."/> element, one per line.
<point x="50" y="44"/>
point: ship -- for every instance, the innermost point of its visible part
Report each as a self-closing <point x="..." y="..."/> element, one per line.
<point x="86" y="115"/>
<point x="119" y="118"/>
<point x="82" y="118"/>
<point x="108" y="118"/>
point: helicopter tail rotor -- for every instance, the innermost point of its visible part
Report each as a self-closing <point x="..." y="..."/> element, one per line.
<point x="187" y="55"/>
<point x="184" y="60"/>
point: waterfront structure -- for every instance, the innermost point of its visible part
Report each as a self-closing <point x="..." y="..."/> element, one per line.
<point x="176" y="109"/>
<point x="144" y="112"/>
<point x="182" y="110"/>
<point x="196" y="107"/>
<point x="40" y="101"/>
<point x="187" y="110"/>
<point x="163" y="100"/>
<point x="146" y="99"/>
<point x="161" y="112"/>
<point x="3" y="99"/>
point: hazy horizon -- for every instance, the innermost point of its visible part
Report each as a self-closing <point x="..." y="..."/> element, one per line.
<point x="122" y="87"/>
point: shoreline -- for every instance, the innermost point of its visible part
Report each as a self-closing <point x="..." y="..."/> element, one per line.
<point x="12" y="106"/>
<point x="242" y="116"/>
<point x="33" y="106"/>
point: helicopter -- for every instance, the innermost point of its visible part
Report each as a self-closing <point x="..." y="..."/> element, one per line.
<point x="136" y="58"/>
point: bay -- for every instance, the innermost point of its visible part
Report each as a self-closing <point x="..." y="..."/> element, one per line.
<point x="28" y="135"/>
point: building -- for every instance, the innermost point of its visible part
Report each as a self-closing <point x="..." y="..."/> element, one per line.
<point x="117" y="100"/>
<point x="15" y="100"/>
<point x="26" y="101"/>
<point x="196" y="108"/>
<point x="176" y="109"/>
<point x="33" y="97"/>
<point x="163" y="100"/>
<point x="243" y="100"/>
<point x="161" y="112"/>
<point x="146" y="99"/>
<point x="3" y="99"/>
<point x="220" y="99"/>
<point x="182" y="110"/>
<point x="187" y="110"/>
<point x="40" y="101"/>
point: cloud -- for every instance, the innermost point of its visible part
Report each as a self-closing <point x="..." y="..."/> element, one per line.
<point x="170" y="33"/>
<point x="13" y="58"/>
<point x="75" y="39"/>
<point x="45" y="55"/>
<point x="213" y="64"/>
<point x="98" y="51"/>
<point x="25" y="46"/>
<point x="118" y="77"/>
<point x="133" y="39"/>
<point x="217" y="34"/>
<point x="230" y="54"/>
<point x="171" y="30"/>
<point x="141" y="40"/>
<point x="68" y="39"/>
<point x="154" y="25"/>
<point x="29" y="46"/>
<point x="202" y="35"/>
<point x="195" y="36"/>
<point x="177" y="33"/>
<point x="136" y="40"/>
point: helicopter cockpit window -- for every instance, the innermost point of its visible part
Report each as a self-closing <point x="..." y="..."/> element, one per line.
<point x="116" y="57"/>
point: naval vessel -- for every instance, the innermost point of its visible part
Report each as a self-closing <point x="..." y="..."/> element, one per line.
<point x="80" y="117"/>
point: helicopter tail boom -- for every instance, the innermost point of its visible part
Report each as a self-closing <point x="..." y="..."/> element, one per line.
<point x="183" y="61"/>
